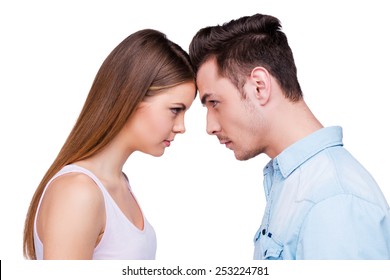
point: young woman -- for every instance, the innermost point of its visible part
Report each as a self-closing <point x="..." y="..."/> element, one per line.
<point x="84" y="207"/>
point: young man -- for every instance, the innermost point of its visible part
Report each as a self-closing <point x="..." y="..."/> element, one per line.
<point x="321" y="202"/>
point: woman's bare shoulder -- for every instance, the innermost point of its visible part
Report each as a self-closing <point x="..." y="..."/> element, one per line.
<point x="74" y="186"/>
<point x="72" y="214"/>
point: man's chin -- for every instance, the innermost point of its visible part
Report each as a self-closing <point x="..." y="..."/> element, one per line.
<point x="243" y="156"/>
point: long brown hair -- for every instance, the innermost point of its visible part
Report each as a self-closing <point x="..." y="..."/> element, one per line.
<point x="143" y="63"/>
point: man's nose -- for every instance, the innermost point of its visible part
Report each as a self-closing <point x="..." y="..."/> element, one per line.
<point x="213" y="126"/>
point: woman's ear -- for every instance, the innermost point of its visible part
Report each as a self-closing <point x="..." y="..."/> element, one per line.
<point x="261" y="80"/>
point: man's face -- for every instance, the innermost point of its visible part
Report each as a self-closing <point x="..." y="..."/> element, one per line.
<point x="235" y="120"/>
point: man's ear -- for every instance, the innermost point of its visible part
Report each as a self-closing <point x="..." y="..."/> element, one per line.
<point x="261" y="80"/>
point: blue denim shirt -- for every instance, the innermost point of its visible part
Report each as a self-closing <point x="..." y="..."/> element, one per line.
<point x="322" y="204"/>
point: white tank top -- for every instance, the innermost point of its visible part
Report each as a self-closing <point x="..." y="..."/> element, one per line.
<point x="121" y="239"/>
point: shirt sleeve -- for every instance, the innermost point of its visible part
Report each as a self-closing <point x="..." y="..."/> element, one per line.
<point x="345" y="227"/>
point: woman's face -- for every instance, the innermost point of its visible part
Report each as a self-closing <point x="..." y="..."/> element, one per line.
<point x="159" y="118"/>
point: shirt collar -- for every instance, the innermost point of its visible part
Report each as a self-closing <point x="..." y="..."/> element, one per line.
<point x="299" y="152"/>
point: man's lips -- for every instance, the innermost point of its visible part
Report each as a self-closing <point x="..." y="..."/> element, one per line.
<point x="225" y="141"/>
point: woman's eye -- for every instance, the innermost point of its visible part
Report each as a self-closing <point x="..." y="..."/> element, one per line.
<point x="176" y="110"/>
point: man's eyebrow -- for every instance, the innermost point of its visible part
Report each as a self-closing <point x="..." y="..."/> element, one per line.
<point x="205" y="97"/>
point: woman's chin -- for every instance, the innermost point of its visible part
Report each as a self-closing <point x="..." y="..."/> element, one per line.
<point x="157" y="153"/>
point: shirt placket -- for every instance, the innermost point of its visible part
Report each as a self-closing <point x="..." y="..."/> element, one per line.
<point x="268" y="180"/>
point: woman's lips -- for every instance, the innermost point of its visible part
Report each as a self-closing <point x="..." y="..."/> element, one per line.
<point x="167" y="143"/>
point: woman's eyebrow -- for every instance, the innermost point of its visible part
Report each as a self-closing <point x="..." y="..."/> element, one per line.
<point x="184" y="107"/>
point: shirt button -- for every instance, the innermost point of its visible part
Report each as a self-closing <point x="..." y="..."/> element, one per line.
<point x="263" y="231"/>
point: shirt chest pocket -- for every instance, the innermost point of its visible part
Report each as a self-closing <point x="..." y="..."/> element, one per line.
<point x="267" y="246"/>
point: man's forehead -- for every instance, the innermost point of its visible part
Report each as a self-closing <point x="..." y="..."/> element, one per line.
<point x="208" y="71"/>
<point x="206" y="77"/>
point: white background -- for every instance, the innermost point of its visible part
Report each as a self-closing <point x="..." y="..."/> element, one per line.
<point x="204" y="205"/>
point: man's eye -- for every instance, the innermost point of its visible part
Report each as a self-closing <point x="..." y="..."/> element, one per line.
<point x="213" y="103"/>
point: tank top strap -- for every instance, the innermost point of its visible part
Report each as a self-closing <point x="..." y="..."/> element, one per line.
<point x="75" y="168"/>
<point x="78" y="169"/>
